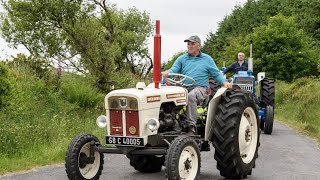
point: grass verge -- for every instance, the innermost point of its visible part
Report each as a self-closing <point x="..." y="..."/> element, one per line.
<point x="43" y="117"/>
<point x="298" y="105"/>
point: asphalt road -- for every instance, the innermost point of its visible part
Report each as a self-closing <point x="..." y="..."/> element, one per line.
<point x="283" y="155"/>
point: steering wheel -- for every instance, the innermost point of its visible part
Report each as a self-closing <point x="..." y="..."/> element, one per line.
<point x="180" y="82"/>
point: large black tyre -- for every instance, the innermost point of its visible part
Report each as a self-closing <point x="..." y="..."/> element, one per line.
<point x="236" y="134"/>
<point x="269" y="120"/>
<point x="267" y="92"/>
<point x="77" y="157"/>
<point x="183" y="153"/>
<point x="146" y="163"/>
<point x="214" y="86"/>
<point x="261" y="125"/>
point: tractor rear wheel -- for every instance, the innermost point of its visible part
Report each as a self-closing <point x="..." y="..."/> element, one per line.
<point x="261" y="124"/>
<point x="236" y="134"/>
<point x="267" y="92"/>
<point x="146" y="163"/>
<point x="269" y="120"/>
<point x="214" y="86"/>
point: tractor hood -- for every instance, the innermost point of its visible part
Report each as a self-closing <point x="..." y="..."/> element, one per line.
<point x="145" y="97"/>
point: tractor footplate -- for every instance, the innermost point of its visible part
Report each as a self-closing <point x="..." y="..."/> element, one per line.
<point x="205" y="146"/>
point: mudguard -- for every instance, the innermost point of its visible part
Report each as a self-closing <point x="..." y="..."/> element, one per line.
<point x="212" y="109"/>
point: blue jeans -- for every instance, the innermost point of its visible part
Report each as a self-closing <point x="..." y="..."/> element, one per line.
<point x="195" y="97"/>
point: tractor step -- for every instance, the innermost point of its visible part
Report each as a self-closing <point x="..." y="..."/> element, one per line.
<point x="205" y="146"/>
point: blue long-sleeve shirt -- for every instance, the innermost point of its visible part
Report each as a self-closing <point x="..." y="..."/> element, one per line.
<point x="198" y="68"/>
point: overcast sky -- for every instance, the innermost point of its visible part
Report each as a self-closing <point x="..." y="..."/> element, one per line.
<point x="179" y="19"/>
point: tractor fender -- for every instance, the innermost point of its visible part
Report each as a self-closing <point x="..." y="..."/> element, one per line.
<point x="212" y="110"/>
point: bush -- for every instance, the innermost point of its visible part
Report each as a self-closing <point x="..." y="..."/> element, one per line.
<point x="42" y="121"/>
<point x="78" y="89"/>
<point x="7" y="81"/>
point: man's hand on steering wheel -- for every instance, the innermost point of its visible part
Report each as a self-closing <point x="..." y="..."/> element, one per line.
<point x="178" y="82"/>
<point x="165" y="74"/>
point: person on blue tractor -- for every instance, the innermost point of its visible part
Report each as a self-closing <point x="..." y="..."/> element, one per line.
<point x="240" y="65"/>
<point x="198" y="66"/>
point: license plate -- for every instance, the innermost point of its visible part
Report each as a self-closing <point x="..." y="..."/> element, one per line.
<point x="124" y="141"/>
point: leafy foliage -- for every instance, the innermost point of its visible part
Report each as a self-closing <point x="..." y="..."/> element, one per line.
<point x="93" y="36"/>
<point x="77" y="90"/>
<point x="166" y="66"/>
<point x="36" y="66"/>
<point x="44" y="118"/>
<point x="280" y="49"/>
<point x="7" y="85"/>
<point x="275" y="44"/>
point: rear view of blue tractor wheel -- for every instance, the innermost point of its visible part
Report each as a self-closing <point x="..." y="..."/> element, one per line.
<point x="267" y="94"/>
<point x="269" y="117"/>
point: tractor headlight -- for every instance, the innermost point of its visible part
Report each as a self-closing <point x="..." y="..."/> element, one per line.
<point x="153" y="124"/>
<point x="123" y="103"/>
<point x="133" y="104"/>
<point x="114" y="104"/>
<point x="102" y="121"/>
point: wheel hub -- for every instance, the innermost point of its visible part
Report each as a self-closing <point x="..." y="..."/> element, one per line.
<point x="83" y="160"/>
<point x="187" y="164"/>
<point x="88" y="166"/>
<point x="248" y="134"/>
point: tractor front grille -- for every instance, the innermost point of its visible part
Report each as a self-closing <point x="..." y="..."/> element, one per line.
<point x="116" y="125"/>
<point x="124" y="123"/>
<point x="124" y="116"/>
<point x="243" y="80"/>
<point x="132" y="123"/>
<point x="246" y="87"/>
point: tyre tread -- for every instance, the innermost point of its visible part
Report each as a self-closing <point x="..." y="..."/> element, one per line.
<point x="225" y="134"/>
<point x="71" y="164"/>
<point x="173" y="154"/>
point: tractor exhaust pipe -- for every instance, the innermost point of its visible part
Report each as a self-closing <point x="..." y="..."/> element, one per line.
<point x="250" y="61"/>
<point x="157" y="56"/>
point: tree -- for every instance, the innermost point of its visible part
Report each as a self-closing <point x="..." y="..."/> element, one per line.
<point x="93" y="36"/>
<point x="255" y="13"/>
<point x="282" y="50"/>
<point x="236" y="44"/>
<point x="168" y="65"/>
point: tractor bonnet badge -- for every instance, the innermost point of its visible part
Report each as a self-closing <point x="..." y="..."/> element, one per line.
<point x="123" y="102"/>
<point x="132" y="130"/>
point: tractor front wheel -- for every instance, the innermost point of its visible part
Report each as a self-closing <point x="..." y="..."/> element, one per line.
<point x="82" y="161"/>
<point x="183" y="159"/>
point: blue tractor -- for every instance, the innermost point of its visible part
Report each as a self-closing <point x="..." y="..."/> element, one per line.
<point x="266" y="86"/>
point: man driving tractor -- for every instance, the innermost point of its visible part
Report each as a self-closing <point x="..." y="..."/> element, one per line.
<point x="196" y="65"/>
<point x="240" y="65"/>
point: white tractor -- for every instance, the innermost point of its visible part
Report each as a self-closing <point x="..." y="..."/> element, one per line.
<point x="146" y="123"/>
